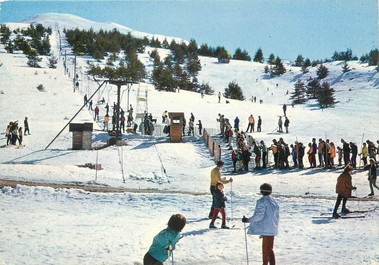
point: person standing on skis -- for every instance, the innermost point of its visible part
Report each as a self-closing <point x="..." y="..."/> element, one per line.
<point x="265" y="222"/>
<point x="343" y="189"/>
<point x="215" y="178"/>
<point x="219" y="206"/>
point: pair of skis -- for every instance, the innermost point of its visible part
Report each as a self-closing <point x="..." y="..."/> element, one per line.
<point x="351" y="215"/>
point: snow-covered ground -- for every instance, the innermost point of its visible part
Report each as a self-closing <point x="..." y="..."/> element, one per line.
<point x="59" y="226"/>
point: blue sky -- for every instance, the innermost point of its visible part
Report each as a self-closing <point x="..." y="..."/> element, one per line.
<point x="313" y="28"/>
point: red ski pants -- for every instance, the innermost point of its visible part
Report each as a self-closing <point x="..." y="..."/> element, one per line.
<point x="268" y="250"/>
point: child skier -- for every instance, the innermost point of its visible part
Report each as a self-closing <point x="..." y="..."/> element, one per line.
<point x="264" y="222"/>
<point x="219" y="205"/>
<point x="164" y="241"/>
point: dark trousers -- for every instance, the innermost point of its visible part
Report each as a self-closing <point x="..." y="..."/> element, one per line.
<point x="338" y="202"/>
<point x="212" y="190"/>
<point x="264" y="159"/>
<point x="149" y="260"/>
<point x="268" y="254"/>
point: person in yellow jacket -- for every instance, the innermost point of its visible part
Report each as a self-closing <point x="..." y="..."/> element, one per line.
<point x="216" y="178"/>
<point x="364" y="154"/>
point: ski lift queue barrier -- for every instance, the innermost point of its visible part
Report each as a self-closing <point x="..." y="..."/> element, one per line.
<point x="213" y="147"/>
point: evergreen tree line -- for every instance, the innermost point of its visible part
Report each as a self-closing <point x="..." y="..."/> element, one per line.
<point x="33" y="41"/>
<point x="322" y="92"/>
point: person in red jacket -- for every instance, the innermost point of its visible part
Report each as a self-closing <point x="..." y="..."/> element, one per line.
<point x="343" y="189"/>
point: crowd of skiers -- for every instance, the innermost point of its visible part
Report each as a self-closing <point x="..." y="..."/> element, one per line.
<point x="14" y="133"/>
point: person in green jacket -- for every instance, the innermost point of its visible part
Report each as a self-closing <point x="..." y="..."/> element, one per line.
<point x="165" y="241"/>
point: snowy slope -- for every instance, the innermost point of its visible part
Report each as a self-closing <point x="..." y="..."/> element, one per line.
<point x="50" y="226"/>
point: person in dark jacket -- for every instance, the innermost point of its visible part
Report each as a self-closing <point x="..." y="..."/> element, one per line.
<point x="26" y="126"/>
<point x="354" y="153"/>
<point x="301" y="154"/>
<point x="346" y="152"/>
<point x="219" y="206"/>
<point x="286" y="124"/>
<point x="259" y="126"/>
<point x="343" y="189"/>
<point x="372" y="176"/>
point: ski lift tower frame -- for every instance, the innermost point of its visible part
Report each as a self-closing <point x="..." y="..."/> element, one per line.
<point x="142" y="104"/>
<point x="118" y="83"/>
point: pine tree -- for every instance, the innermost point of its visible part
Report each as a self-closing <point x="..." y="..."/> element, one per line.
<point x="345" y="68"/>
<point x="52" y="62"/>
<point x="33" y="59"/>
<point x="278" y="68"/>
<point x="325" y="96"/>
<point x="306" y="64"/>
<point x="299" y="62"/>
<point x="322" y="71"/>
<point x="271" y="59"/>
<point x="241" y="55"/>
<point x="234" y="91"/>
<point x="206" y="88"/>
<point x="298" y="95"/>
<point x="258" y="57"/>
<point x="312" y="89"/>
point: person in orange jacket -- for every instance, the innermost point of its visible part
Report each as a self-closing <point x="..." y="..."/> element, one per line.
<point x="343" y="189"/>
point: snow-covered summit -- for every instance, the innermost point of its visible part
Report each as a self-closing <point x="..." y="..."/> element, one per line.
<point x="70" y="21"/>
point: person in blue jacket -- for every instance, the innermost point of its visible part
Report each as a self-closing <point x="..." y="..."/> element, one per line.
<point x="165" y="241"/>
<point x="264" y="222"/>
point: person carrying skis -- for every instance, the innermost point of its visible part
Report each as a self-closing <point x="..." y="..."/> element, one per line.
<point x="165" y="241"/>
<point x="219" y="206"/>
<point x="372" y="176"/>
<point x="265" y="222"/>
<point x="343" y="189"/>
<point x="215" y="178"/>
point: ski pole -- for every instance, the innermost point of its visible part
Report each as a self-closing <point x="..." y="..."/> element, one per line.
<point x="247" y="253"/>
<point x="356" y="195"/>
<point x="231" y="198"/>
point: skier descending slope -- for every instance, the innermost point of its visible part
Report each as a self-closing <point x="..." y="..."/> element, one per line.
<point x="264" y="222"/>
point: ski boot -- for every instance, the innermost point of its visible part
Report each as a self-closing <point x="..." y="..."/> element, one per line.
<point x="345" y="211"/>
<point x="223" y="226"/>
<point x="212" y="226"/>
<point x="336" y="215"/>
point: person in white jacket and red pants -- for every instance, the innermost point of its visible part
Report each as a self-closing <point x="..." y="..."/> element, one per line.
<point x="264" y="223"/>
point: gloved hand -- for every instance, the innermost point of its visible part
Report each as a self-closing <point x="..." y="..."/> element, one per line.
<point x="245" y="219"/>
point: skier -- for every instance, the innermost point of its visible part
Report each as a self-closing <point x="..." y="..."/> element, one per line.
<point x="215" y="178"/>
<point x="190" y="128"/>
<point x="251" y="123"/>
<point x="320" y="147"/>
<point x="26" y="126"/>
<point x="280" y="124"/>
<point x="354" y="152"/>
<point x="234" y="159"/>
<point x="372" y="177"/>
<point x="20" y="136"/>
<point x="346" y="152"/>
<point x="96" y="113"/>
<point x="343" y="189"/>
<point x="284" y="109"/>
<point x="259" y="125"/>
<point x="264" y="154"/>
<point x="200" y="127"/>
<point x="286" y="124"/>
<point x="219" y="206"/>
<point x="165" y="241"/>
<point x="107" y="109"/>
<point x="219" y="97"/>
<point x="364" y="154"/>
<point x="8" y="134"/>
<point x="106" y="121"/>
<point x="236" y="124"/>
<point x="314" y="148"/>
<point x="265" y="222"/>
